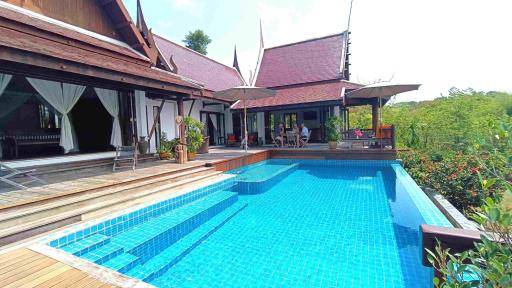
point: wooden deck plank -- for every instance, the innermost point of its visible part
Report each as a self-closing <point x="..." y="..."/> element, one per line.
<point x="17" y="263"/>
<point x="84" y="282"/>
<point x="24" y="279"/>
<point x="65" y="279"/>
<point x="24" y="271"/>
<point x="8" y="256"/>
<point x="24" y="268"/>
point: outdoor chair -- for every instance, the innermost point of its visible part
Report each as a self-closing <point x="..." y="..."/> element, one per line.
<point x="291" y="139"/>
<point x="304" y="143"/>
<point x="274" y="141"/>
<point x="126" y="156"/>
<point x="8" y="174"/>
<point x="231" y="140"/>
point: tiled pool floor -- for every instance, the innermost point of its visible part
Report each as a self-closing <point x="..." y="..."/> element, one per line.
<point x="315" y="228"/>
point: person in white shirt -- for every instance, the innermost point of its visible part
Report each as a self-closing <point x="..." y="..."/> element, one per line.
<point x="304" y="134"/>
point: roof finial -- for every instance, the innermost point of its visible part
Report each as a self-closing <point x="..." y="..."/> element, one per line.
<point x="235" y="62"/>
<point x="262" y="45"/>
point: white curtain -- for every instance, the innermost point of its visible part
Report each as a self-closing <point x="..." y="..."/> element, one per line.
<point x="4" y="81"/>
<point x="62" y="97"/>
<point x="110" y="99"/>
<point x="213" y="117"/>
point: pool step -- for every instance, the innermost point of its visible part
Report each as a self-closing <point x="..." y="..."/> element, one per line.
<point x="155" y="267"/>
<point x="123" y="262"/>
<point x="171" y="226"/>
<point x="85" y="245"/>
<point x="144" y="239"/>
<point x="104" y="253"/>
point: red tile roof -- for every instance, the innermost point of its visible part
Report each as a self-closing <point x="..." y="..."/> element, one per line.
<point x="214" y="75"/>
<point x="315" y="92"/>
<point x="312" y="60"/>
<point x="53" y="38"/>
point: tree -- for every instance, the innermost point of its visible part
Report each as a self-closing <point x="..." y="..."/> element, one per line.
<point x="197" y="41"/>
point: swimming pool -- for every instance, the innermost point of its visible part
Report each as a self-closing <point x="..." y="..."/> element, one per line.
<point x="310" y="223"/>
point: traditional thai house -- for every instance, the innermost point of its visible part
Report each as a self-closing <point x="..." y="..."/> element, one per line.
<point x="310" y="77"/>
<point x="79" y="76"/>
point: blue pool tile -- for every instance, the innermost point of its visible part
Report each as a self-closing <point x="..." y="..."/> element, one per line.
<point x="325" y="223"/>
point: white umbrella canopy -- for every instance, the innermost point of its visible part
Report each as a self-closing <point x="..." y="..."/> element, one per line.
<point x="244" y="93"/>
<point x="382" y="90"/>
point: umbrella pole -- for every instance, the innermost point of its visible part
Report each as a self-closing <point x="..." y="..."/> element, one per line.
<point x="245" y="124"/>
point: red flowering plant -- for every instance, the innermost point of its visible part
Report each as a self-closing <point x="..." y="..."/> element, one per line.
<point x="455" y="177"/>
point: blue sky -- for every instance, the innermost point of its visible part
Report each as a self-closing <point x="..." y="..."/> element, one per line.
<point x="439" y="43"/>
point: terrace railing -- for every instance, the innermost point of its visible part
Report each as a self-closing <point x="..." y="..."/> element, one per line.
<point x="383" y="137"/>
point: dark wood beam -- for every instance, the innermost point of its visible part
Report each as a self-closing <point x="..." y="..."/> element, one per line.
<point x="191" y="106"/>
<point x="17" y="61"/>
<point x="155" y="120"/>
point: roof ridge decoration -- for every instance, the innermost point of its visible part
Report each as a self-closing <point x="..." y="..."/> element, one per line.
<point x="190" y="50"/>
<point x="235" y="62"/>
<point x="147" y="34"/>
<point x="261" y="51"/>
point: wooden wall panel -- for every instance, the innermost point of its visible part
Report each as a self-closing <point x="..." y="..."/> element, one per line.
<point x="230" y="164"/>
<point x="83" y="13"/>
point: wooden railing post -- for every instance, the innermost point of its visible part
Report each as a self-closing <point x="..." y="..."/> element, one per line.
<point x="393" y="136"/>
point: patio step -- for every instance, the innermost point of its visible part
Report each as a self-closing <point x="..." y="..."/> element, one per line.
<point x="95" y="203"/>
<point x="122" y="263"/>
<point x="155" y="266"/>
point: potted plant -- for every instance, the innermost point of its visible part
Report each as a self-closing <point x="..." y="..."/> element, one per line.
<point x="194" y="132"/>
<point x="333" y="131"/>
<point x="164" y="151"/>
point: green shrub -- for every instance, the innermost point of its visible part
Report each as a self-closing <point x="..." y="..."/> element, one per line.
<point x="333" y="128"/>
<point x="194" y="132"/>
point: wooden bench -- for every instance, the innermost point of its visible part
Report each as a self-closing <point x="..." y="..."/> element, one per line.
<point x="30" y="140"/>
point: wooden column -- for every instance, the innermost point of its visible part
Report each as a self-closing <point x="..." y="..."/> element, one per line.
<point x="181" y="112"/>
<point x="375" y="115"/>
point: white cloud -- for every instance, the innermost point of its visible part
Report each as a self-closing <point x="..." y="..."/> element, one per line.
<point x="192" y="7"/>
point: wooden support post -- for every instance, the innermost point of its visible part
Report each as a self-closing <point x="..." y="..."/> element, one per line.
<point x="375" y="116"/>
<point x="182" y="131"/>
<point x="155" y="120"/>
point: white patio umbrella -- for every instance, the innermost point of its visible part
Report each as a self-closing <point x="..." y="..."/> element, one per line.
<point x="244" y="93"/>
<point x="382" y="90"/>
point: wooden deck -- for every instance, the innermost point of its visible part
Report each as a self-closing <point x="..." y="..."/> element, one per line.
<point x="85" y="180"/>
<point x="26" y="268"/>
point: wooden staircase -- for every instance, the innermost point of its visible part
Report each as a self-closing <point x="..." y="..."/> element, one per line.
<point x="29" y="218"/>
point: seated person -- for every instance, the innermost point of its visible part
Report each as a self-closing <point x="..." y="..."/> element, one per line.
<point x="279" y="135"/>
<point x="304" y="134"/>
<point x="296" y="134"/>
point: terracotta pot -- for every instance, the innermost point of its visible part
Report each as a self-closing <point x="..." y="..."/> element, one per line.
<point x="191" y="155"/>
<point x="333" y="145"/>
<point x="165" y="155"/>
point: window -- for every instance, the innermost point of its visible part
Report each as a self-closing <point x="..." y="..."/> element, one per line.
<point x="289" y="120"/>
<point x="251" y="123"/>
<point x="310" y="115"/>
<point x="47" y="118"/>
